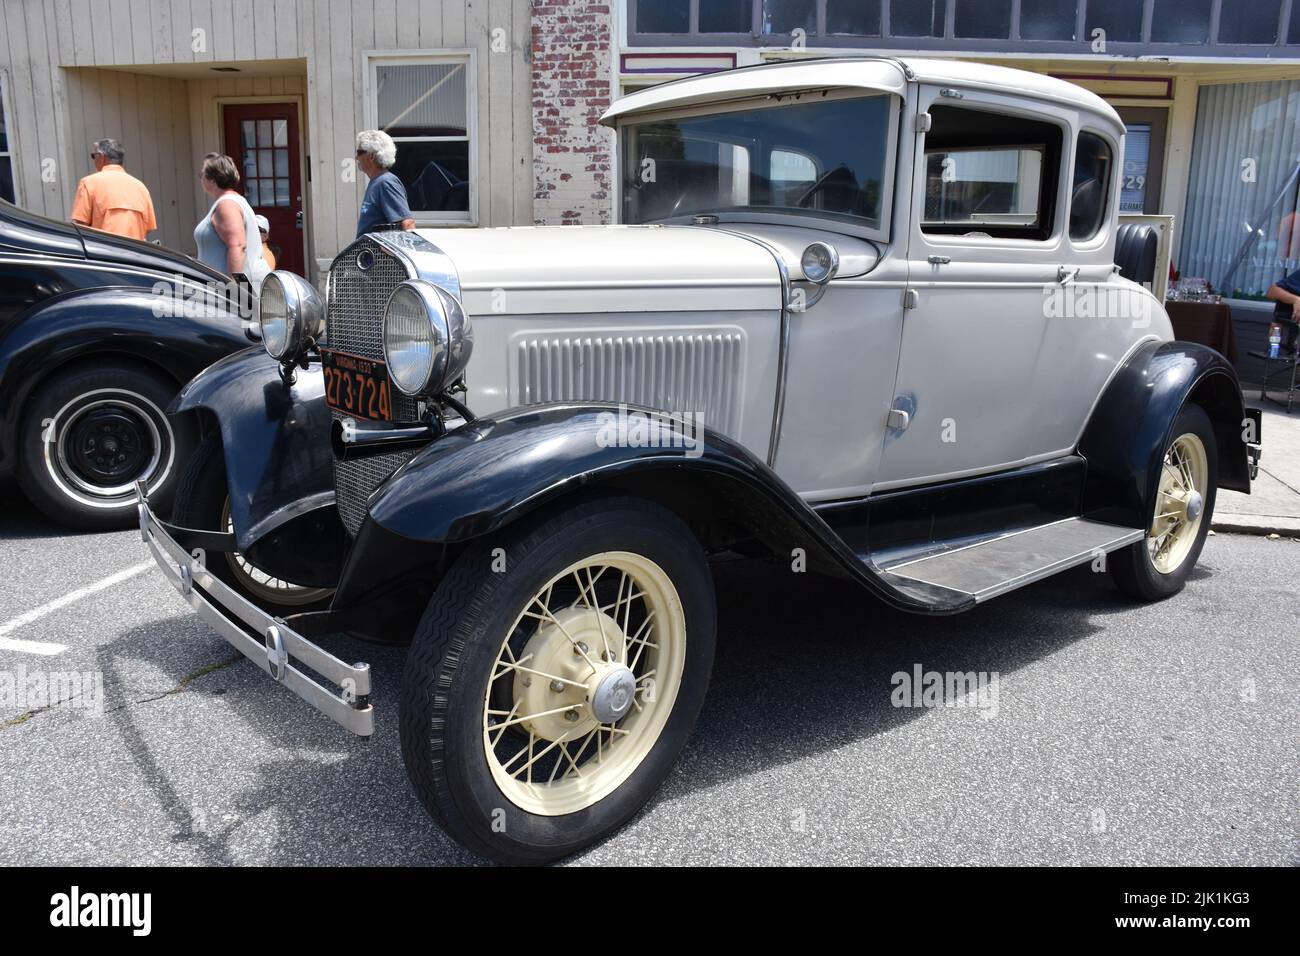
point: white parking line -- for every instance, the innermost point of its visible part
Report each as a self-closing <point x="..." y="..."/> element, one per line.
<point x="72" y="597"/>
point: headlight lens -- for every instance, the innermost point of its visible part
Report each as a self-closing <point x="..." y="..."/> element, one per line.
<point x="427" y="338"/>
<point x="819" y="262"/>
<point x="290" y="314"/>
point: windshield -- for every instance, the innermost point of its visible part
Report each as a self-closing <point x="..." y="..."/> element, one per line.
<point x="822" y="157"/>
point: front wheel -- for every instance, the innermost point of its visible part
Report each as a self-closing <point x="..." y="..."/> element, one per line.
<point x="555" y="678"/>
<point x="1157" y="567"/>
<point x="90" y="434"/>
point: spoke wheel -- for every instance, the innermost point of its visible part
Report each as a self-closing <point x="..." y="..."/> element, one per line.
<point x="263" y="586"/>
<point x="1180" y="504"/>
<point x="584" y="682"/>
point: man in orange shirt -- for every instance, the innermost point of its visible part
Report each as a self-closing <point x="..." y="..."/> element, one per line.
<point x="111" y="199"/>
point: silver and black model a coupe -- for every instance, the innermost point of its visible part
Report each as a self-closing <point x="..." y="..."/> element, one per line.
<point x="861" y="315"/>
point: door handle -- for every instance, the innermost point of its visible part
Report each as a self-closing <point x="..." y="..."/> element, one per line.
<point x="297" y="219"/>
<point x="1064" y="275"/>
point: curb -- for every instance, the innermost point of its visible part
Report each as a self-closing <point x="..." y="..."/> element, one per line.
<point x="1231" y="526"/>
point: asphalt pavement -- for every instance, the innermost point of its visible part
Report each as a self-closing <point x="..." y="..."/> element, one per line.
<point x="1106" y="732"/>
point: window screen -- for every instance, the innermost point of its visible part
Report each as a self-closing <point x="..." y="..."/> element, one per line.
<point x="1091" y="190"/>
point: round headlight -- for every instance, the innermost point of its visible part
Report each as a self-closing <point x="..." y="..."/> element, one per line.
<point x="819" y="262"/>
<point x="427" y="338"/>
<point x="290" y="314"/>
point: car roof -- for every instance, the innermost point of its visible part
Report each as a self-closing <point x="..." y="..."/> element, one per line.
<point x="888" y="74"/>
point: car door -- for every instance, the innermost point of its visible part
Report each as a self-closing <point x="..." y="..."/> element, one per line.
<point x="984" y="251"/>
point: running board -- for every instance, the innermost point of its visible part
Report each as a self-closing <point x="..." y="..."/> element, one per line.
<point x="995" y="566"/>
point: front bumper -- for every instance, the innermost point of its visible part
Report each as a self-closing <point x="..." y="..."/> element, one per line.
<point x="265" y="640"/>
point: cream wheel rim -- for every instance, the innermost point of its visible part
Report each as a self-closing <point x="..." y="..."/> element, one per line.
<point x="1180" y="504"/>
<point x="584" y="682"/>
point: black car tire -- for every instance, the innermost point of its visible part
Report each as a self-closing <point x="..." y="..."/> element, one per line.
<point x="452" y="662"/>
<point x="1134" y="569"/>
<point x="201" y="504"/>
<point x="89" y="433"/>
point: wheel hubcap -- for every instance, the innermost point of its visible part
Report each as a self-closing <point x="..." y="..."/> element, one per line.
<point x="99" y="444"/>
<point x="1180" y="503"/>
<point x="584" y="683"/>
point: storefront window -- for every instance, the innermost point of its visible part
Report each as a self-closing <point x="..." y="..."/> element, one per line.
<point x="1240" y="228"/>
<point x="786" y="16"/>
<point x="983" y="19"/>
<point x="1133" y="177"/>
<point x="1048" y="19"/>
<point x="1181" y="21"/>
<point x="663" y="16"/>
<point x="855" y="17"/>
<point x="917" y="18"/>
<point x="6" y="157"/>
<point x="1254" y="22"/>
<point x="726" y="16"/>
<point x="1121" y="19"/>
<point x="424" y="105"/>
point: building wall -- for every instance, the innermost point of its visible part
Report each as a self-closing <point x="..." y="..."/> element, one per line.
<point x="572" y="52"/>
<point x="162" y="52"/>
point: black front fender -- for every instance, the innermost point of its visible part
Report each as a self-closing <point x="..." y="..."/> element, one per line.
<point x="1125" y="439"/>
<point x="137" y="323"/>
<point x="276" y="438"/>
<point x="487" y="475"/>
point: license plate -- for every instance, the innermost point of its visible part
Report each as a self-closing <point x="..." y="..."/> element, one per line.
<point x="357" y="386"/>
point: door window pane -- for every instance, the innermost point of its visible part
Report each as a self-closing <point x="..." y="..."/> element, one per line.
<point x="989" y="19"/>
<point x="917" y="18"/>
<point x="1133" y="177"/>
<point x="1048" y="19"/>
<point x="282" y="192"/>
<point x="1181" y="21"/>
<point x="6" y="179"/>
<point x="663" y="16"/>
<point x="1293" y="32"/>
<point x="1121" y="19"/>
<point x="856" y="17"/>
<point x="280" y="132"/>
<point x="263" y="132"/>
<point x="248" y="133"/>
<point x="4" y="130"/>
<point x="282" y="162"/>
<point x="785" y="16"/>
<point x="726" y="16"/>
<point x="1091" y="191"/>
<point x="421" y="99"/>
<point x="983" y="187"/>
<point x="264" y="161"/>
<point x="1253" y="22"/>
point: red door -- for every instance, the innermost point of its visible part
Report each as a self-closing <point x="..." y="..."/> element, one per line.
<point x="262" y="138"/>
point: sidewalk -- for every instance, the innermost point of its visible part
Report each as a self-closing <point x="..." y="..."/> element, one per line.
<point x="1273" y="505"/>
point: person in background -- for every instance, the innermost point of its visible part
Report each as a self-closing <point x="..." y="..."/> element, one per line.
<point x="1286" y="293"/>
<point x="384" y="203"/>
<point x="228" y="239"/>
<point x="264" y="233"/>
<point x="112" y="199"/>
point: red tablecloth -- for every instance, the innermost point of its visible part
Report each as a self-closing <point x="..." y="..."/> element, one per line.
<point x="1206" y="323"/>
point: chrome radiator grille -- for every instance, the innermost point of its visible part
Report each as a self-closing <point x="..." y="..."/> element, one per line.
<point x="355" y="324"/>
<point x="688" y="372"/>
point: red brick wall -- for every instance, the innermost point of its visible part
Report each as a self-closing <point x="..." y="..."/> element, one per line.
<point x="572" y="50"/>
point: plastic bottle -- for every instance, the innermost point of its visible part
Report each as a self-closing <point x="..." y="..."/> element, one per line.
<point x="1274" y="340"/>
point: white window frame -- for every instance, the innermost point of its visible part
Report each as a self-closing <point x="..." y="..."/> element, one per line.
<point x="467" y="56"/>
<point x="10" y="153"/>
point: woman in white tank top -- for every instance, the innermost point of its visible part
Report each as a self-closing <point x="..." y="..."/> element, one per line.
<point x="227" y="238"/>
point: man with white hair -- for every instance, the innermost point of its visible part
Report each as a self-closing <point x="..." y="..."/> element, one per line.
<point x="384" y="204"/>
<point x="112" y="199"/>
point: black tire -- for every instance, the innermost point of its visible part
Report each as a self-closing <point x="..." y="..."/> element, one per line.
<point x="89" y="433"/>
<point x="455" y="648"/>
<point x="201" y="505"/>
<point x="1132" y="568"/>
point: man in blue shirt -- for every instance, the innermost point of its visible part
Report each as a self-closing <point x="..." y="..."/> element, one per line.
<point x="384" y="204"/>
<point x="1286" y="293"/>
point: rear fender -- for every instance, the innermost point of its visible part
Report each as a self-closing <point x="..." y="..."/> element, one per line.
<point x="1125" y="439"/>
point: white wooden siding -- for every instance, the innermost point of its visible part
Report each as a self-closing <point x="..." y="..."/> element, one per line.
<point x="77" y="70"/>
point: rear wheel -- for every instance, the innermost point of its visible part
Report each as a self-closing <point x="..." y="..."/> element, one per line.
<point x="555" y="677"/>
<point x="1157" y="567"/>
<point x="90" y="434"/>
<point x="203" y="504"/>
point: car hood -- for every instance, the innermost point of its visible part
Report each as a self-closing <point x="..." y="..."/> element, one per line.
<point x="548" y="269"/>
<point x="107" y="247"/>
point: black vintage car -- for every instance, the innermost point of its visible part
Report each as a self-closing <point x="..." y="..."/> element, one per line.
<point x="97" y="334"/>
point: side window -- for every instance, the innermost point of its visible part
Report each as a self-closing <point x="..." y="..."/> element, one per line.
<point x="1091" y="192"/>
<point x="990" y="175"/>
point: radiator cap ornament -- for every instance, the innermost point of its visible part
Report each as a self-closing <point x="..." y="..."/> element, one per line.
<point x="366" y="260"/>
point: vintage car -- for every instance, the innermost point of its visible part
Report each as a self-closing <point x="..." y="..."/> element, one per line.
<point x="97" y="335"/>
<point x="861" y="317"/>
